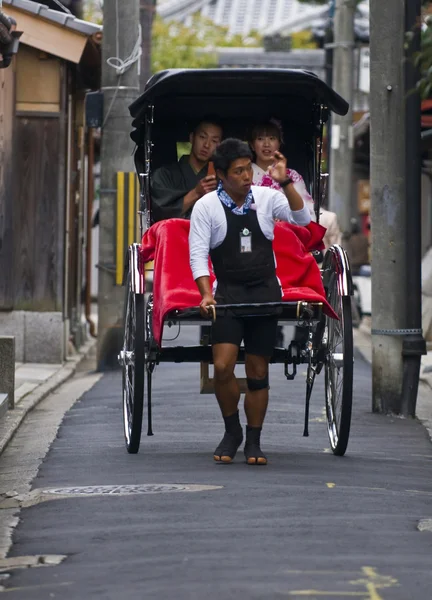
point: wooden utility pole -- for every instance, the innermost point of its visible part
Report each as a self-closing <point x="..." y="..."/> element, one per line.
<point x="121" y="34"/>
<point x="342" y="138"/>
<point x="397" y="342"/>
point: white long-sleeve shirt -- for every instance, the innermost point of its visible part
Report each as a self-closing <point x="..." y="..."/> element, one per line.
<point x="208" y="227"/>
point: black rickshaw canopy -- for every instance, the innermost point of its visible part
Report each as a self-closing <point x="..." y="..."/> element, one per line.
<point x="175" y="100"/>
<point x="180" y="93"/>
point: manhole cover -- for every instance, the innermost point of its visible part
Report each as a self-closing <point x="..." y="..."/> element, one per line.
<point x="124" y="490"/>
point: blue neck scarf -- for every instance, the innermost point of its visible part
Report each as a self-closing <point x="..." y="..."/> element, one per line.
<point x="229" y="203"/>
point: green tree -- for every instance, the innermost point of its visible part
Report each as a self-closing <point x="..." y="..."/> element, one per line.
<point x="423" y="59"/>
<point x="175" y="45"/>
<point x="93" y="11"/>
<point x="303" y="40"/>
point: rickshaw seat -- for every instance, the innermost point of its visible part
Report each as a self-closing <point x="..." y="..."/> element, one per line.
<point x="166" y="242"/>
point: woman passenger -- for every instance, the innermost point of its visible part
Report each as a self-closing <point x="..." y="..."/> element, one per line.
<point x="266" y="139"/>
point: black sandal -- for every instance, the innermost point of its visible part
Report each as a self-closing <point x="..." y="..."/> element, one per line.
<point x="252" y="450"/>
<point x="228" y="447"/>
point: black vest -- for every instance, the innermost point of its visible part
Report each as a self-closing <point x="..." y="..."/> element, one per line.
<point x="245" y="277"/>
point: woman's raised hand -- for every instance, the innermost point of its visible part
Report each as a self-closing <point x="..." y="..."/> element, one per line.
<point x="278" y="170"/>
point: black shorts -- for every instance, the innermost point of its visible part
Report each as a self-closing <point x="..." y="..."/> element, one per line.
<point x="258" y="333"/>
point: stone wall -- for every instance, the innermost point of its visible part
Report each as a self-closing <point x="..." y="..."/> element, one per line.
<point x="39" y="336"/>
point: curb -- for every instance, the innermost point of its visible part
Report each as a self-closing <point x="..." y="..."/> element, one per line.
<point x="362" y="342"/>
<point x="13" y="418"/>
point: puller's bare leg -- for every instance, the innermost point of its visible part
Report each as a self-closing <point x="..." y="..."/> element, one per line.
<point x="256" y="402"/>
<point x="228" y="395"/>
<point x="225" y="382"/>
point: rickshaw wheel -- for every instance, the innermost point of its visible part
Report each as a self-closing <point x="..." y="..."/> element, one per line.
<point x="339" y="367"/>
<point x="133" y="356"/>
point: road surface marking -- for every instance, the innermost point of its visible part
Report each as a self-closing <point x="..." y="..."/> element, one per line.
<point x="371" y="581"/>
<point x="425" y="525"/>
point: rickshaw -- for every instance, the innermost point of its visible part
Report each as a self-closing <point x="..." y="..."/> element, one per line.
<point x="173" y="99"/>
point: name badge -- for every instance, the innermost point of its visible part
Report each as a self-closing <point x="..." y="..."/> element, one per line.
<point x="245" y="241"/>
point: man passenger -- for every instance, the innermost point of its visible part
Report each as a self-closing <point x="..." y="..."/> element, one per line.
<point x="176" y="187"/>
<point x="235" y="226"/>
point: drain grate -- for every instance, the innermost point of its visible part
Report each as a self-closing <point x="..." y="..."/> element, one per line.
<point x="127" y="490"/>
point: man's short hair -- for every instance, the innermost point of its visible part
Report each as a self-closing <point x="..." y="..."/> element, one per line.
<point x="228" y="151"/>
<point x="210" y="119"/>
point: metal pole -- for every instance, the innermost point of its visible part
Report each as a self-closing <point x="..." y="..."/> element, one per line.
<point x="88" y="253"/>
<point x="413" y="344"/>
<point x="67" y="234"/>
<point x="342" y="140"/>
<point x="395" y="225"/>
<point x="121" y="32"/>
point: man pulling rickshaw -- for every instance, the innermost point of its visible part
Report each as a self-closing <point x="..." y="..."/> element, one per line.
<point x="235" y="225"/>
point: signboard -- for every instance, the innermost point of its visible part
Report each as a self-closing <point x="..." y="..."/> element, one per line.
<point x="363" y="196"/>
<point x="364" y="70"/>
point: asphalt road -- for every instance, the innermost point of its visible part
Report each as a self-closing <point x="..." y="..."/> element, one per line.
<point x="309" y="525"/>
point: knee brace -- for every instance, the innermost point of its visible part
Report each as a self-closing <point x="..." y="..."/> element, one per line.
<point x="254" y="385"/>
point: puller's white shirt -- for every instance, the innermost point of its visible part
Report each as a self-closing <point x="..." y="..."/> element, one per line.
<point x="208" y="224"/>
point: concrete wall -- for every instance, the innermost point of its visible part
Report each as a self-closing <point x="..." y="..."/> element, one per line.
<point x="39" y="336"/>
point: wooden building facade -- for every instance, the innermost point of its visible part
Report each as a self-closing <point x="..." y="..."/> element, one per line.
<point x="44" y="180"/>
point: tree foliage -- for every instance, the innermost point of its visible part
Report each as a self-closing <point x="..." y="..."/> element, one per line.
<point x="303" y="40"/>
<point x="93" y="11"/>
<point x="423" y="59"/>
<point x="175" y="45"/>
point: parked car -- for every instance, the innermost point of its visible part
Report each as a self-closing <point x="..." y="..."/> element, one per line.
<point x="363" y="290"/>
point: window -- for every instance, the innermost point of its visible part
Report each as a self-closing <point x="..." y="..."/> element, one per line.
<point x="37" y="81"/>
<point x="183" y="148"/>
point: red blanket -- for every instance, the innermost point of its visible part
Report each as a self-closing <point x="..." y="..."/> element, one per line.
<point x="167" y="244"/>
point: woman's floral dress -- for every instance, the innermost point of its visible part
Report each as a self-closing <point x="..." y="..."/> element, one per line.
<point x="263" y="179"/>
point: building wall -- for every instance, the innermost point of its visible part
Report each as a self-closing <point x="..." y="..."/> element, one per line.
<point x="32" y="188"/>
<point x="35" y="190"/>
<point x="35" y="198"/>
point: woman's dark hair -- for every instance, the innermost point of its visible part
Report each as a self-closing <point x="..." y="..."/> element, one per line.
<point x="269" y="127"/>
<point x="228" y="151"/>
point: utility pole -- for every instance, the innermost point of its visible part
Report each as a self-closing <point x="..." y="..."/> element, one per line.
<point x="328" y="43"/>
<point x="397" y="342"/>
<point x="120" y="85"/>
<point x="147" y="13"/>
<point x="328" y="50"/>
<point x="342" y="138"/>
